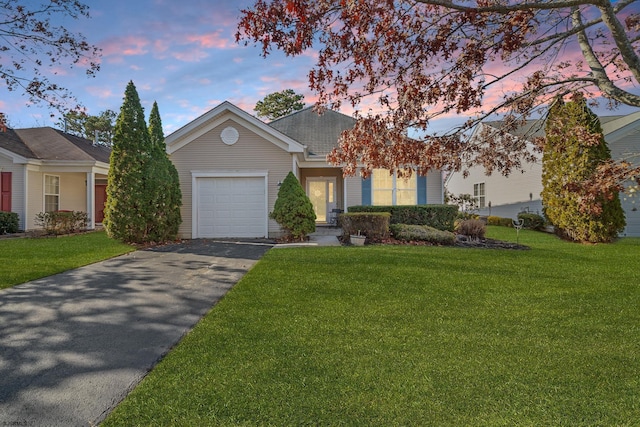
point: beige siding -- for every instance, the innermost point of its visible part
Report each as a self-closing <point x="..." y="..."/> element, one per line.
<point x="73" y="191"/>
<point x="17" y="187"/>
<point x="250" y="153"/>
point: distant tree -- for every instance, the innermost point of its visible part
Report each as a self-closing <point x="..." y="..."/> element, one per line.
<point x="163" y="174"/>
<point x="128" y="199"/>
<point x="279" y="104"/>
<point x="293" y="210"/>
<point x="574" y="148"/>
<point x="79" y="123"/>
<point x="34" y="41"/>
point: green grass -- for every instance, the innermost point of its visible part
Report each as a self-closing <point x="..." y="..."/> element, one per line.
<point x="28" y="259"/>
<point x="424" y="336"/>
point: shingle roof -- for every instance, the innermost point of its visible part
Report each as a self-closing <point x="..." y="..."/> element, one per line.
<point x="535" y="128"/>
<point x="320" y="133"/>
<point x="46" y="143"/>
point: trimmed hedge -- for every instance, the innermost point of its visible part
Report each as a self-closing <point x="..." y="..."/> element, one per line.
<point x="441" y="217"/>
<point x="8" y="222"/>
<point x="496" y="220"/>
<point x="531" y="221"/>
<point x="374" y="225"/>
<point x="412" y="232"/>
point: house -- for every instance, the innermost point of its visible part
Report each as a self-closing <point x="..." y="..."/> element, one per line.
<point x="44" y="169"/>
<point x="507" y="196"/>
<point x="230" y="165"/>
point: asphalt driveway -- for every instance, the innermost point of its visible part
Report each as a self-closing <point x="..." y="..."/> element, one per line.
<point x="74" y="344"/>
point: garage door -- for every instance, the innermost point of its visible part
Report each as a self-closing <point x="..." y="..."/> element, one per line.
<point x="231" y="207"/>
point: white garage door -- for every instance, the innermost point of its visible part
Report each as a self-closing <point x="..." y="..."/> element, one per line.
<point x="231" y="207"/>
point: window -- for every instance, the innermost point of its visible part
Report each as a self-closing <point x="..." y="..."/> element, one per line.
<point x="389" y="189"/>
<point x="479" y="195"/>
<point x="51" y="193"/>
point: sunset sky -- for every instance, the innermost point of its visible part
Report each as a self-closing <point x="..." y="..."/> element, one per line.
<point x="181" y="54"/>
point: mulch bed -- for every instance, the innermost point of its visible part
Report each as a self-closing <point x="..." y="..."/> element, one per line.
<point x="461" y="242"/>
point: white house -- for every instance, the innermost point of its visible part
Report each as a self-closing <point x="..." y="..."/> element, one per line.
<point x="507" y="196"/>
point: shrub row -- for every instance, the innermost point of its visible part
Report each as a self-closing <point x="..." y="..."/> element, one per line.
<point x="374" y="225"/>
<point x="62" y="222"/>
<point x="8" y="222"/>
<point x="496" y="220"/>
<point x="412" y="232"/>
<point x="441" y="217"/>
<point x="532" y="221"/>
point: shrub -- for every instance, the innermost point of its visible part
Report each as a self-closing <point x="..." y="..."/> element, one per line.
<point x="62" y="222"/>
<point x="374" y="225"/>
<point x="441" y="217"/>
<point x="472" y="228"/>
<point x="573" y="150"/>
<point x="496" y="220"/>
<point x="293" y="209"/>
<point x="8" y="222"/>
<point x="531" y="221"/>
<point x="411" y="232"/>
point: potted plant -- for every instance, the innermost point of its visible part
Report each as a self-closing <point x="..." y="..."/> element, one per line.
<point x="357" y="239"/>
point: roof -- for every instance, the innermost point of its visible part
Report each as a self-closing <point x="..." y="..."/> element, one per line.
<point x="320" y="133"/>
<point x="46" y="143"/>
<point x="217" y="116"/>
<point x="535" y="128"/>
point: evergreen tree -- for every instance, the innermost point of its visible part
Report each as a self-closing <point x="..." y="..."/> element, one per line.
<point x="168" y="197"/>
<point x="574" y="148"/>
<point x="293" y="210"/>
<point x="128" y="198"/>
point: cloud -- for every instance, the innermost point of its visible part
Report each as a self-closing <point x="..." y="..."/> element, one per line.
<point x="115" y="48"/>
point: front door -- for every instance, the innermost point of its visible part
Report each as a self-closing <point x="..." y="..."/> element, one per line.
<point x="101" y="200"/>
<point x="322" y="193"/>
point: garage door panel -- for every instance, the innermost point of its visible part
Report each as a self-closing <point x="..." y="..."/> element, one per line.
<point x="231" y="207"/>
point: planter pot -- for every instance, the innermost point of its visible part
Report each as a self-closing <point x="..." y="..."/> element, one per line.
<point x="357" y="240"/>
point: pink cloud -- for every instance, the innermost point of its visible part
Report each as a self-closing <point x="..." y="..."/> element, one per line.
<point x="210" y="40"/>
<point x="125" y="46"/>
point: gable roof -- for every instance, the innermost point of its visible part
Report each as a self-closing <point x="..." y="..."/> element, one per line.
<point x="532" y="129"/>
<point x="218" y="115"/>
<point x="320" y="133"/>
<point x="46" y="143"/>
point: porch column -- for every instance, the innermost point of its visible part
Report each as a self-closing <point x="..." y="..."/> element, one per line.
<point x="91" y="199"/>
<point x="344" y="195"/>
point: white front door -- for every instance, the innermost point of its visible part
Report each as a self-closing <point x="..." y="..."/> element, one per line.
<point x="322" y="193"/>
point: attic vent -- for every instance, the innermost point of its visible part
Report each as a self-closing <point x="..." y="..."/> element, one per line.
<point x="229" y="135"/>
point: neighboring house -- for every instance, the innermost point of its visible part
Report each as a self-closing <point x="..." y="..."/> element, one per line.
<point x="44" y="169"/>
<point x="507" y="196"/>
<point x="231" y="164"/>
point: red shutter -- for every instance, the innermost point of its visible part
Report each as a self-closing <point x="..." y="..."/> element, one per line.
<point x="5" y="191"/>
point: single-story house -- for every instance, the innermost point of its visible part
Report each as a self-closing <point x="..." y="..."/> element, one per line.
<point x="507" y="196"/>
<point x="231" y="164"/>
<point x="45" y="169"/>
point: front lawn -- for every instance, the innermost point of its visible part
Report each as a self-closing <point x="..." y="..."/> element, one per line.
<point x="424" y="336"/>
<point x="28" y="259"/>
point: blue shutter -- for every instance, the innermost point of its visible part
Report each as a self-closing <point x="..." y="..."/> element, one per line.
<point x="366" y="192"/>
<point x="422" y="190"/>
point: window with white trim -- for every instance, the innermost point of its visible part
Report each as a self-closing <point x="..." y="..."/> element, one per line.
<point x="51" y="193"/>
<point x="389" y="189"/>
<point x="479" y="194"/>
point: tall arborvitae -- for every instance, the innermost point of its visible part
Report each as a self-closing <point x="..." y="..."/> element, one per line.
<point x="574" y="148"/>
<point x="128" y="200"/>
<point x="168" y="197"/>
